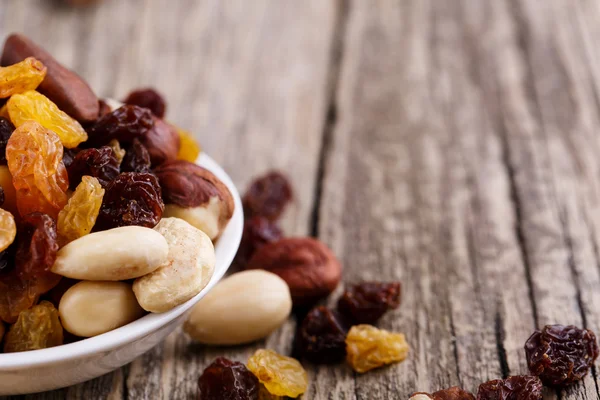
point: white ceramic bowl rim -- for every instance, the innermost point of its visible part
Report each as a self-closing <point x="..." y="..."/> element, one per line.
<point x="150" y="322"/>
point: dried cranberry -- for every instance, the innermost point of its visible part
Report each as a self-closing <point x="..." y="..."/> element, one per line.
<point x="511" y="388"/>
<point x="366" y="302"/>
<point x="148" y="98"/>
<point x="124" y="124"/>
<point x="258" y="231"/>
<point x="267" y="196"/>
<point x="227" y="380"/>
<point x="322" y="336"/>
<point x="136" y="158"/>
<point x="561" y="355"/>
<point x="100" y="163"/>
<point x="6" y="129"/>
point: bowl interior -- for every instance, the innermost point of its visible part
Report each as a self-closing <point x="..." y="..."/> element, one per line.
<point x="225" y="250"/>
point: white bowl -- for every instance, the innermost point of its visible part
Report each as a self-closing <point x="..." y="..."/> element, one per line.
<point x="57" y="367"/>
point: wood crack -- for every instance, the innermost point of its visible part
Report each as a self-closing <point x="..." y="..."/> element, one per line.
<point x="500" y="334"/>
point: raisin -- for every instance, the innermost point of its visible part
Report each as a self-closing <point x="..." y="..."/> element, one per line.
<point x="124" y="124"/>
<point x="7" y="261"/>
<point x="34" y="156"/>
<point x="281" y="375"/>
<point x="263" y="394"/>
<point x="69" y="156"/>
<point x="8" y="229"/>
<point x="561" y="355"/>
<point x="36" y="328"/>
<point x="227" y="380"/>
<point x="1" y="196"/>
<point x="6" y="129"/>
<point x="267" y="196"/>
<point x="511" y="388"/>
<point x="189" y="149"/>
<point x="79" y="215"/>
<point x="322" y="336"/>
<point x="258" y="231"/>
<point x="117" y="150"/>
<point x="136" y="158"/>
<point x="33" y="106"/>
<point x="21" y="77"/>
<point x="147" y="98"/>
<point x="451" y="393"/>
<point x="131" y="199"/>
<point x="366" y="302"/>
<point x="369" y="347"/>
<point x="31" y="276"/>
<point x="99" y="163"/>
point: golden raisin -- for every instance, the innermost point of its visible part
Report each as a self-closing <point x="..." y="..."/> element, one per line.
<point x="34" y="106"/>
<point x="21" y="77"/>
<point x="117" y="150"/>
<point x="10" y="195"/>
<point x="281" y="375"/>
<point x="34" y="156"/>
<point x="368" y="347"/>
<point x="8" y="229"/>
<point x="79" y="215"/>
<point x="36" y="328"/>
<point x="189" y="149"/>
<point x="4" y="111"/>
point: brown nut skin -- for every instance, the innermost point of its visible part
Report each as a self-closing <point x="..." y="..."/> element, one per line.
<point x="61" y="85"/>
<point x="162" y="142"/>
<point x="310" y="268"/>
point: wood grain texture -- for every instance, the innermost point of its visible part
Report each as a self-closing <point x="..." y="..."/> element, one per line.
<point x="449" y="144"/>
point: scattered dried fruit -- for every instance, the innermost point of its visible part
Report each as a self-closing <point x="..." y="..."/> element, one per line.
<point x="512" y="388"/>
<point x="98" y="163"/>
<point x="366" y="302"/>
<point x="147" y="98"/>
<point x="368" y="347"/>
<point x="36" y="328"/>
<point x="281" y="375"/>
<point x="322" y="336"/>
<point x="79" y="215"/>
<point x="227" y="380"/>
<point x="267" y="196"/>
<point x="258" y="231"/>
<point x="21" y="77"/>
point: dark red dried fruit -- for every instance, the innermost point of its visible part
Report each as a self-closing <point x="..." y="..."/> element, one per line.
<point x="136" y="158"/>
<point x="7" y="259"/>
<point x="258" y="231"/>
<point x="561" y="355"/>
<point x="267" y="196"/>
<point x="124" y="124"/>
<point x="69" y="156"/>
<point x="131" y="199"/>
<point x="6" y="129"/>
<point x="1" y="196"/>
<point x="322" y="336"/>
<point x="452" y="393"/>
<point x="148" y="98"/>
<point x="227" y="380"/>
<point x="366" y="302"/>
<point x="511" y="388"/>
<point x="99" y="163"/>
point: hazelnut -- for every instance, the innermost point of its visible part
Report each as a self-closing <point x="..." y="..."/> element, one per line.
<point x="195" y="195"/>
<point x="309" y="268"/>
<point x="161" y="141"/>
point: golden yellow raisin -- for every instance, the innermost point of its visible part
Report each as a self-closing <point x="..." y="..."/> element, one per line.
<point x="189" y="149"/>
<point x="8" y="229"/>
<point x="79" y="215"/>
<point x="36" y="328"/>
<point x="34" y="106"/>
<point x="10" y="195"/>
<point x="281" y="375"/>
<point x="4" y="112"/>
<point x="21" y="77"/>
<point x="368" y="347"/>
<point x="117" y="150"/>
<point x="263" y="394"/>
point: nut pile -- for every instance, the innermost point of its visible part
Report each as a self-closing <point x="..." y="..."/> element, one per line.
<point x="104" y="214"/>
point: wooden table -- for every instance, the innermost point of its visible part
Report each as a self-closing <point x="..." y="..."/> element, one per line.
<point x="453" y="145"/>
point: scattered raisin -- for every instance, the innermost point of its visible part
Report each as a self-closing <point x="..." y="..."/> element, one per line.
<point x="258" y="231"/>
<point x="98" y="163"/>
<point x="36" y="328"/>
<point x="561" y="355"/>
<point x="227" y="380"/>
<point x="512" y="388"/>
<point x="366" y="302"/>
<point x="267" y="196"/>
<point x="147" y="98"/>
<point x="281" y="375"/>
<point x="451" y="393"/>
<point x="6" y="129"/>
<point x="136" y="158"/>
<point x="131" y="199"/>
<point x="322" y="336"/>
<point x="124" y="124"/>
<point x="368" y="347"/>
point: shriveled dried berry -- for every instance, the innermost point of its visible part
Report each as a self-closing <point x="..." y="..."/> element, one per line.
<point x="322" y="336"/>
<point x="99" y="163"/>
<point x="34" y="106"/>
<point x="79" y="215"/>
<point x="34" y="156"/>
<point x="36" y="328"/>
<point x="512" y="388"/>
<point x="189" y="149"/>
<point x="21" y="77"/>
<point x="281" y="375"/>
<point x="124" y="124"/>
<point x="21" y="286"/>
<point x="8" y="229"/>
<point x="227" y="380"/>
<point x="6" y="129"/>
<point x="136" y="158"/>
<point x="69" y="156"/>
<point x="451" y="393"/>
<point x="561" y="355"/>
<point x="368" y="347"/>
<point x="117" y="150"/>
<point x="258" y="231"/>
<point x="147" y="98"/>
<point x="131" y="199"/>
<point x="267" y="196"/>
<point x="366" y="302"/>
